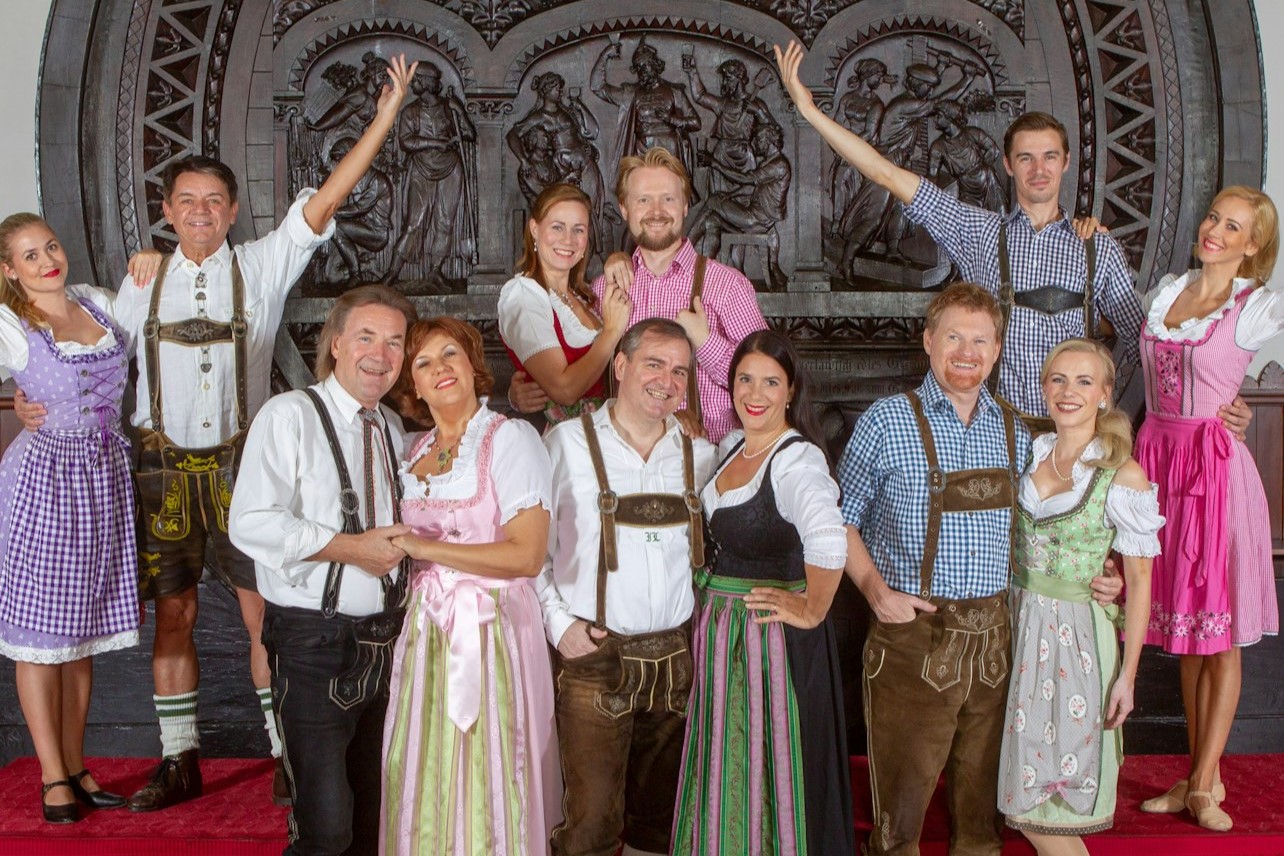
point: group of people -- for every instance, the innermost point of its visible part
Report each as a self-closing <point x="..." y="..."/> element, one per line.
<point x="478" y="639"/>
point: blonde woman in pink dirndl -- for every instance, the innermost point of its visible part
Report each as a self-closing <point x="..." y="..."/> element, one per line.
<point x="470" y="753"/>
<point x="1213" y="587"/>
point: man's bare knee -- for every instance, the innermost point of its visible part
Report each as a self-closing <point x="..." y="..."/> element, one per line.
<point x="176" y="614"/>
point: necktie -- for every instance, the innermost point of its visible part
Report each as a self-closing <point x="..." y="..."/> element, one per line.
<point x="369" y="424"/>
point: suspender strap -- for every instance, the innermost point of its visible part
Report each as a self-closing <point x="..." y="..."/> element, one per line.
<point x="693" y="389"/>
<point x="607" y="504"/>
<point x="692" y="499"/>
<point x="154" y="331"/>
<point x="935" y="497"/>
<point x="1089" y="288"/>
<point x="350" y="507"/>
<point x="1009" y="431"/>
<point x="1006" y="297"/>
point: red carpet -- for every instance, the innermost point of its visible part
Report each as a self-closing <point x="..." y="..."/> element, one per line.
<point x="236" y="817"/>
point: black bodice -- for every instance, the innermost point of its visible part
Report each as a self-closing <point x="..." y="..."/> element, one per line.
<point x="751" y="540"/>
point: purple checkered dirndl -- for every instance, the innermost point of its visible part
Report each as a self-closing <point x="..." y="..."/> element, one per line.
<point x="68" y="561"/>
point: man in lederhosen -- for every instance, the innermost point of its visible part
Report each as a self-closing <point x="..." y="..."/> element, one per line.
<point x="205" y="332"/>
<point x="617" y="597"/>
<point x="317" y="507"/>
<point x="928" y="483"/>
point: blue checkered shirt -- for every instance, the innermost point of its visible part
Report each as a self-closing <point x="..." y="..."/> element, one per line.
<point x="883" y="474"/>
<point x="1053" y="256"/>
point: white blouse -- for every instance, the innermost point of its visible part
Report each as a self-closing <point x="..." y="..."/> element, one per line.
<point x="1261" y="319"/>
<point x="517" y="453"/>
<point x="806" y="496"/>
<point x="526" y="311"/>
<point x="14" y="346"/>
<point x="1134" y="513"/>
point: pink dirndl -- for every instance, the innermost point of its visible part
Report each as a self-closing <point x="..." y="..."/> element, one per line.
<point x="1213" y="584"/>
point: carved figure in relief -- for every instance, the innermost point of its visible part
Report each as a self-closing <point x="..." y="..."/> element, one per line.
<point x="554" y="143"/>
<point x="439" y="185"/>
<point x="738" y="114"/>
<point x="362" y="224"/>
<point x="756" y="214"/>
<point x="967" y="155"/>
<point x="357" y="106"/>
<point x="860" y="110"/>
<point x="878" y="217"/>
<point x="653" y="111"/>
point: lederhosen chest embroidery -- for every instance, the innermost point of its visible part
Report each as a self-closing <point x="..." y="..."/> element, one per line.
<point x="980" y="489"/>
<point x="640" y="510"/>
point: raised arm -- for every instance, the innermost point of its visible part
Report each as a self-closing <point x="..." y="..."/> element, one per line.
<point x="901" y="183"/>
<point x="319" y="210"/>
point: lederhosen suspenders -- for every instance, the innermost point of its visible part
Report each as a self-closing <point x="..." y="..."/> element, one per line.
<point x="641" y="510"/>
<point x="693" y="389"/>
<point x="981" y="489"/>
<point x="350" y="505"/>
<point x="195" y="333"/>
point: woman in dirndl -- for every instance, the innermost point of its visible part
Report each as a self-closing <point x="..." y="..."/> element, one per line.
<point x="1214" y="586"/>
<point x="470" y="753"/>
<point x="1081" y="497"/>
<point x="764" y="765"/>
<point x="68" y="585"/>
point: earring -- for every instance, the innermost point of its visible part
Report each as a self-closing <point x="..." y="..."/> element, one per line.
<point x="1101" y="405"/>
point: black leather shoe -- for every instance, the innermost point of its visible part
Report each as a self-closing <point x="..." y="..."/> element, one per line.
<point x="280" y="785"/>
<point x="177" y="779"/>
<point x="94" y="799"/>
<point x="69" y="813"/>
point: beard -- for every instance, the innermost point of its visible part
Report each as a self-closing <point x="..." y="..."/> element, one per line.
<point x="964" y="381"/>
<point x="656" y="242"/>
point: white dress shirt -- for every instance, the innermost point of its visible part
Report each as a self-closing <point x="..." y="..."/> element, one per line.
<point x="651" y="591"/>
<point x="806" y="496"/>
<point x="199" y="407"/>
<point x="286" y="503"/>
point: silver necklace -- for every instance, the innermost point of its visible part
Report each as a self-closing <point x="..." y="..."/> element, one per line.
<point x="774" y="440"/>
<point x="1057" y="469"/>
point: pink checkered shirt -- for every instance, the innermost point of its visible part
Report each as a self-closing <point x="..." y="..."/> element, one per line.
<point x="732" y="308"/>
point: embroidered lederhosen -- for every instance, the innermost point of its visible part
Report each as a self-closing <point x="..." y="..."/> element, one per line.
<point x="167" y="511"/>
<point x="1050" y="300"/>
<point x="981" y="489"/>
<point x="641" y="510"/>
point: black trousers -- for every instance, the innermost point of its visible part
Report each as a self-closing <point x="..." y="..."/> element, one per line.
<point x="330" y="692"/>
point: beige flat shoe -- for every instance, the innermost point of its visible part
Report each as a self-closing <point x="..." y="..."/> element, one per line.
<point x="1210" y="816"/>
<point x="1175" y="799"/>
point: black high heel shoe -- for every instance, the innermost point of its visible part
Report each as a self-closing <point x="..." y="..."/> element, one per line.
<point x="93" y="799"/>
<point x="69" y="813"/>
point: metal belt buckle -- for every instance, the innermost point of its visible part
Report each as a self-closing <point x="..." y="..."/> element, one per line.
<point x="936" y="479"/>
<point x="349" y="501"/>
<point x="692" y="501"/>
<point x="608" y="502"/>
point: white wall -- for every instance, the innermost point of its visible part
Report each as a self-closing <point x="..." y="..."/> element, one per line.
<point x="23" y="34"/>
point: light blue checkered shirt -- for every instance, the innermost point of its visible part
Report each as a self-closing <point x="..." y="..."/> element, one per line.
<point x="1053" y="256"/>
<point x="883" y="474"/>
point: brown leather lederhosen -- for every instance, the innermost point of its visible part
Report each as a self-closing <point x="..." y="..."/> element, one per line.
<point x="172" y="479"/>
<point x="640" y="510"/>
<point x="1050" y="300"/>
<point x="935" y="686"/>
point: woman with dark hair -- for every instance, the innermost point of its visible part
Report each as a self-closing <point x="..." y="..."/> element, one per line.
<point x="470" y="755"/>
<point x="765" y="755"/>
<point x="548" y="318"/>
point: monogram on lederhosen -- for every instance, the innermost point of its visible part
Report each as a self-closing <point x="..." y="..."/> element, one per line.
<point x="1050" y="300"/>
<point x="980" y="489"/>
<point x="394" y="593"/>
<point x="169" y="511"/>
<point x="641" y="510"/>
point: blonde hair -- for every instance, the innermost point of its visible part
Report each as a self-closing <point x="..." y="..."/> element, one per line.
<point x="1265" y="232"/>
<point x="653" y="157"/>
<point x="1114" y="428"/>
<point x="11" y="291"/>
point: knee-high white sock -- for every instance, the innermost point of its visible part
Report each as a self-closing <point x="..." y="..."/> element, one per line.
<point x="177" y="715"/>
<point x="269" y="720"/>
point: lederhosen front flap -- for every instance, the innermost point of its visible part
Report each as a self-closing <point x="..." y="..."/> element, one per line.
<point x="640" y="510"/>
<point x="394" y="593"/>
<point x="169" y="510"/>
<point x="981" y="489"/>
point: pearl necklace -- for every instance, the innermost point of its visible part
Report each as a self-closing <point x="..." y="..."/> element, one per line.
<point x="1057" y="469"/>
<point x="744" y="453"/>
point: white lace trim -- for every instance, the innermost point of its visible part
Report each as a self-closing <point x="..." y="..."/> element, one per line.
<point x="1169" y="289"/>
<point x="465" y="457"/>
<point x="54" y="656"/>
